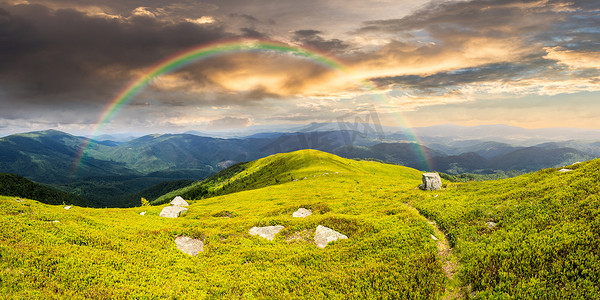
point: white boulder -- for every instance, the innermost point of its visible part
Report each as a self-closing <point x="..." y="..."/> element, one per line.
<point x="67" y="207"/>
<point x="142" y="213"/>
<point x="189" y="245"/>
<point x="173" y="211"/>
<point x="267" y="232"/>
<point x="431" y="182"/>
<point x="302" y="213"/>
<point x="178" y="201"/>
<point x="565" y="170"/>
<point x="325" y="235"/>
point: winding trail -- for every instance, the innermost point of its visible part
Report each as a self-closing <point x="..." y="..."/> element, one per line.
<point x="449" y="261"/>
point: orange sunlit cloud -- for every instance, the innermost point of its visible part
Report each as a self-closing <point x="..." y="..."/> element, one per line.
<point x="66" y="61"/>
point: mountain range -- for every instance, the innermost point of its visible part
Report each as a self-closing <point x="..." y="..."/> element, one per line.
<point x="114" y="173"/>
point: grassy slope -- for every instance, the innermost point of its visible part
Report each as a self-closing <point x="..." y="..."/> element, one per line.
<point x="116" y="253"/>
<point x="547" y="240"/>
<point x="546" y="243"/>
<point x="272" y="170"/>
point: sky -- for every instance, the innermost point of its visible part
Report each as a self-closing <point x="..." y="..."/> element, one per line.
<point x="533" y="64"/>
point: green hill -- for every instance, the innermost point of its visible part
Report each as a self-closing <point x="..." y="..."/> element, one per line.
<point x="543" y="242"/>
<point x="15" y="185"/>
<point x="272" y="170"/>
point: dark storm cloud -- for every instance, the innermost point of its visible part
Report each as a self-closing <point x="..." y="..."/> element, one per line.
<point x="50" y="55"/>
<point x="313" y="39"/>
<point x="252" y="33"/>
<point x="246" y="17"/>
<point x="65" y="54"/>
<point x="444" y="81"/>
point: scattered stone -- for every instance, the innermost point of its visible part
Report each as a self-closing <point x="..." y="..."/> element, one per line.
<point x="267" y="232"/>
<point x="302" y="213"/>
<point x="431" y="182"/>
<point x="142" y="213"/>
<point x="435" y="196"/>
<point x="55" y="221"/>
<point x="565" y="170"/>
<point x="173" y="211"/>
<point x="433" y="237"/>
<point x="189" y="245"/>
<point x="304" y="177"/>
<point x="19" y="200"/>
<point x="325" y="235"/>
<point x="67" y="207"/>
<point x="178" y="201"/>
<point x="491" y="225"/>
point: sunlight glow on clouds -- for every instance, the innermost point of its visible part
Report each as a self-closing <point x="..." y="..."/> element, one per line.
<point x="66" y="59"/>
<point x="574" y="59"/>
<point x="202" y="20"/>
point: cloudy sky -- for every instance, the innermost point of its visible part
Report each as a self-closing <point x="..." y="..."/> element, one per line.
<point x="524" y="63"/>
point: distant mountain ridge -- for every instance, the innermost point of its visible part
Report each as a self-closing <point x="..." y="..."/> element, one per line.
<point x="115" y="171"/>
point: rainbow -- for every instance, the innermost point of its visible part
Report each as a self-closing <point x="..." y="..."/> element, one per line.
<point x="205" y="51"/>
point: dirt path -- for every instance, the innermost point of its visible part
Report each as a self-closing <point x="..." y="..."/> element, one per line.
<point x="449" y="261"/>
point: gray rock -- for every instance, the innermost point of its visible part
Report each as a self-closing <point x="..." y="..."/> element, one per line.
<point x="431" y="182"/>
<point x="267" y="232"/>
<point x="491" y="225"/>
<point x="189" y="245"/>
<point x="565" y="170"/>
<point x="178" y="201"/>
<point x="19" y="200"/>
<point x="67" y="207"/>
<point x="433" y="237"/>
<point x="325" y="235"/>
<point x="302" y="213"/>
<point x="172" y="211"/>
